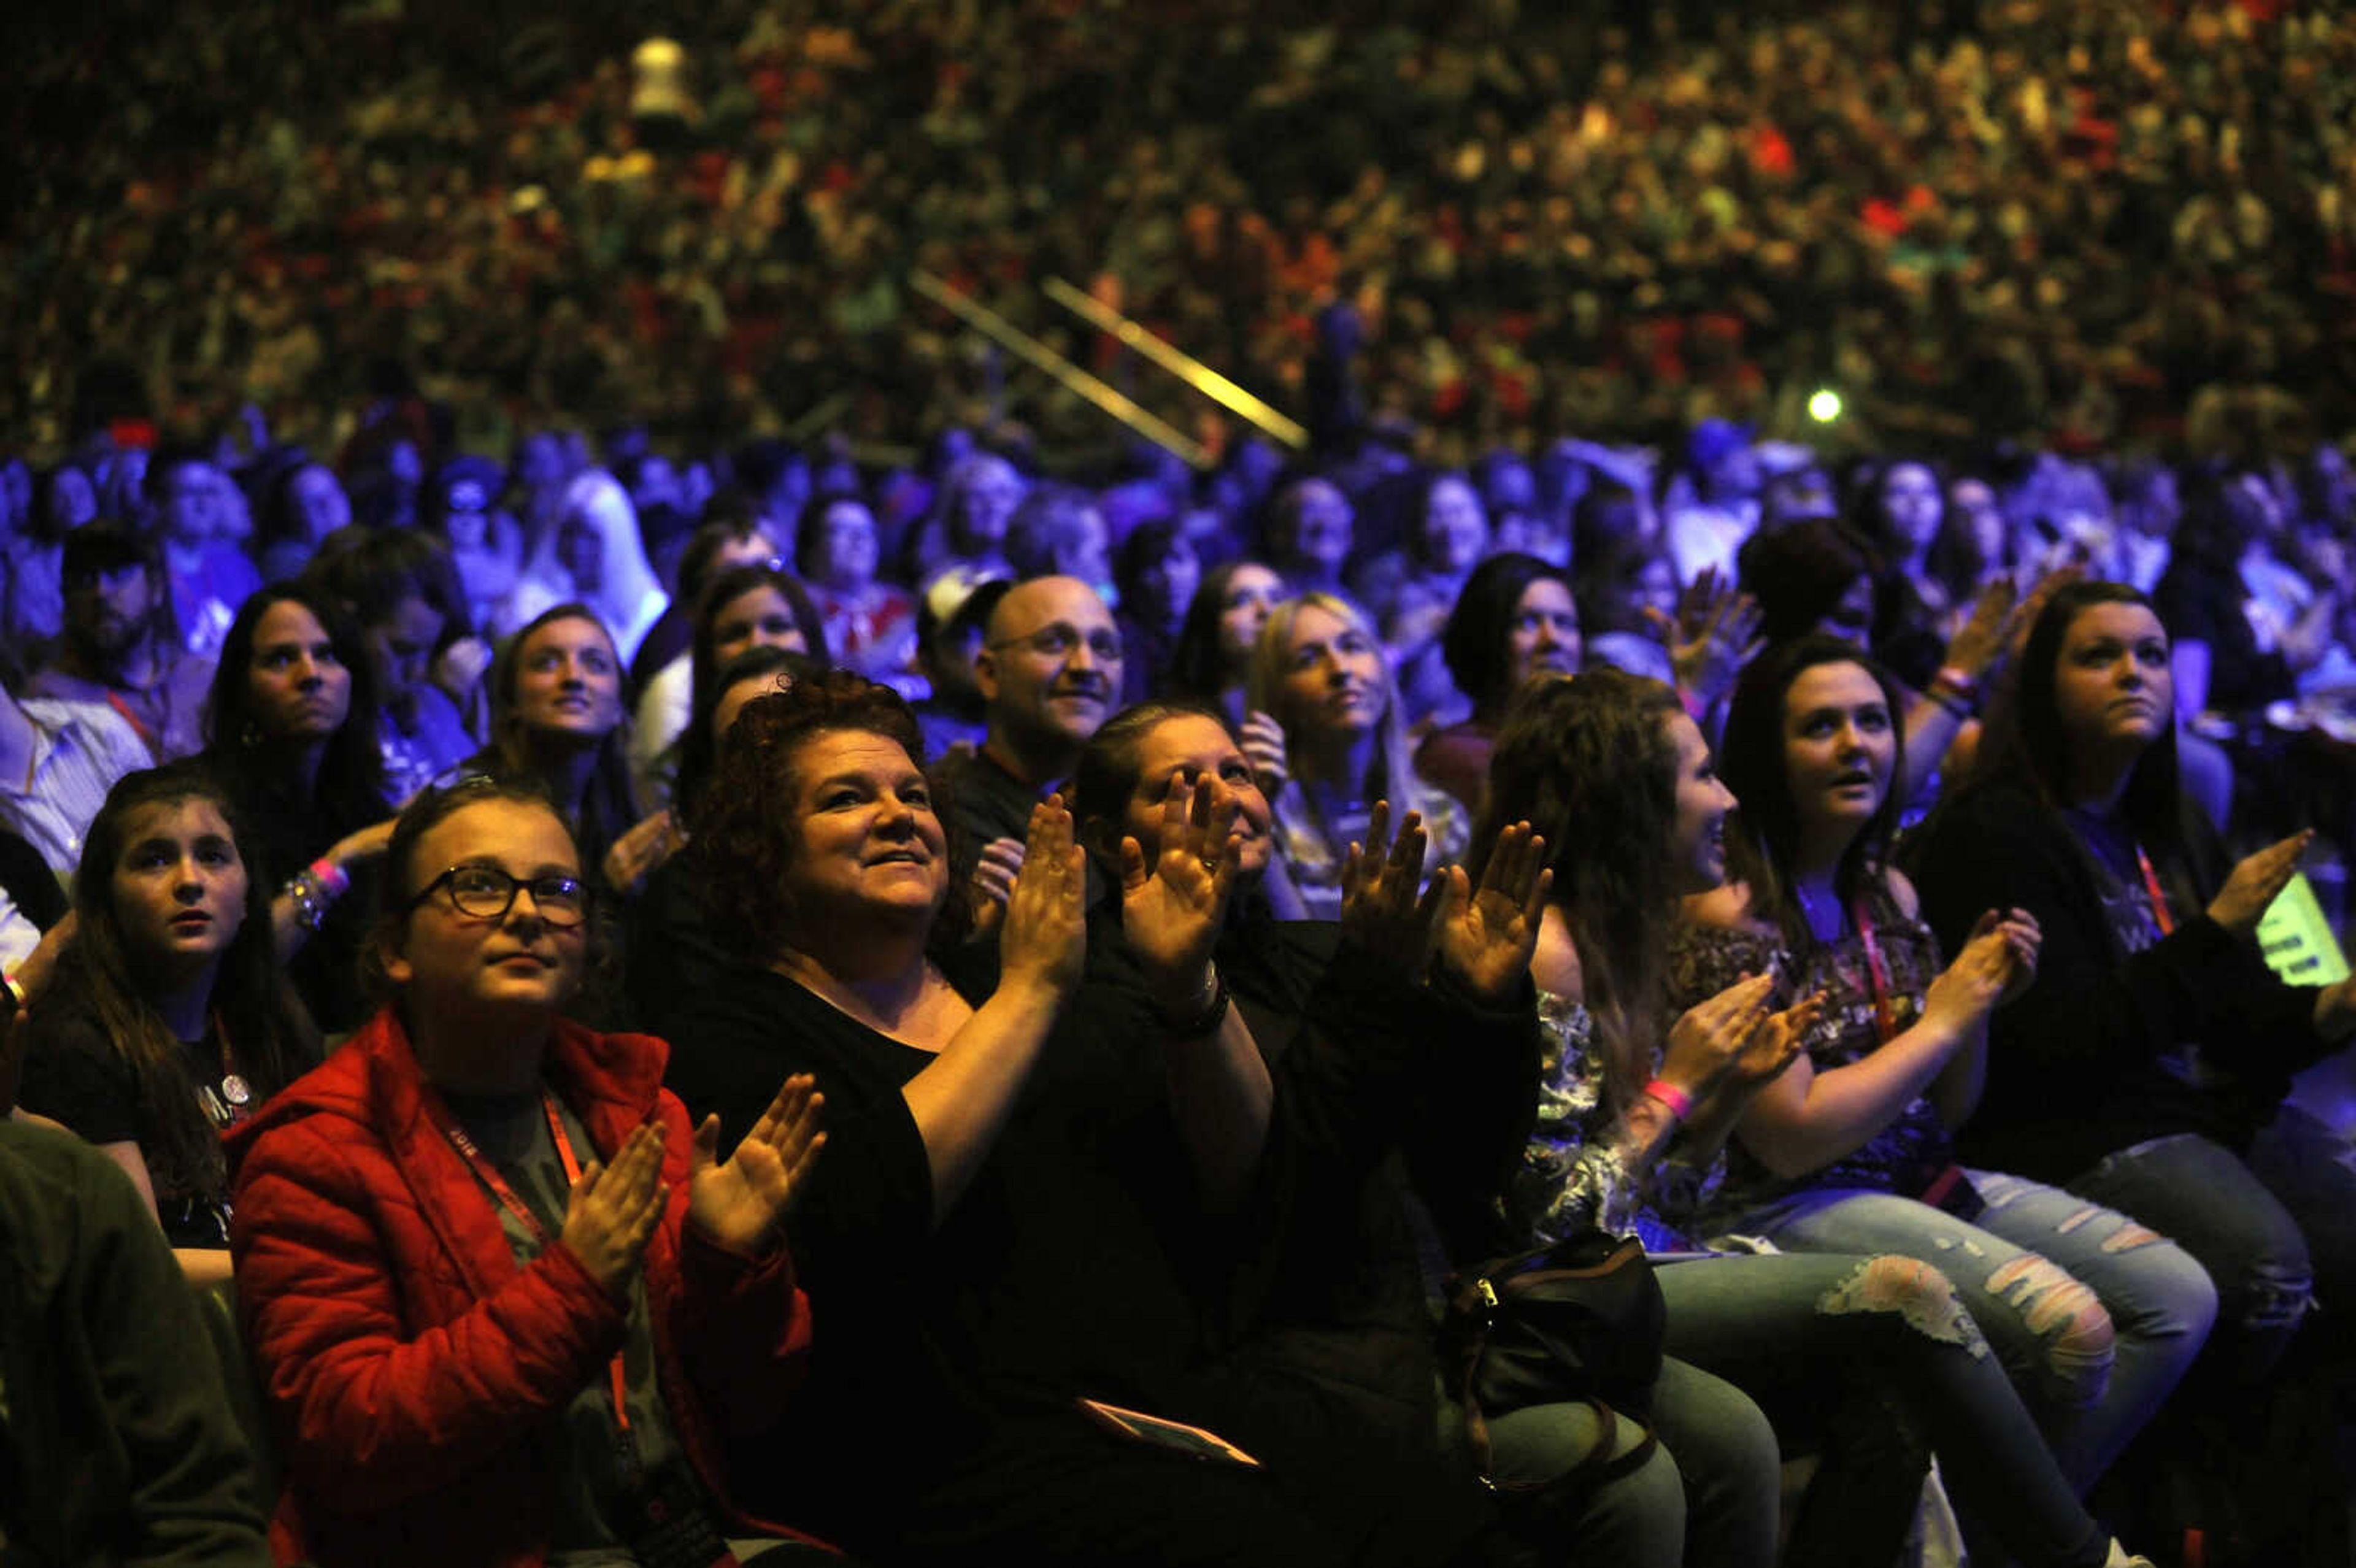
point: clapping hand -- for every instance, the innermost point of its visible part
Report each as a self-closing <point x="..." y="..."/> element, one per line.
<point x="738" y="1202"/>
<point x="1487" y="933"/>
<point x="1713" y="635"/>
<point x="613" y="1209"/>
<point x="2256" y="882"/>
<point x="1988" y="631"/>
<point x="1997" y="964"/>
<point x="2025" y="938"/>
<point x="1263" y="743"/>
<point x="1172" y="912"/>
<point x="1044" y="939"/>
<point x="637" y="852"/>
<point x="1710" y="1036"/>
<point x="1380" y="909"/>
<point x="1773" y="1044"/>
<point x="994" y="872"/>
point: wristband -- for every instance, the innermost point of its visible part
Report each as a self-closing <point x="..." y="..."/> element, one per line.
<point x="1208" y="1018"/>
<point x="1679" y="1103"/>
<point x="310" y="903"/>
<point x="1956" y="705"/>
<point x="1959" y="680"/>
<point x="15" y="989"/>
<point x="331" y="878"/>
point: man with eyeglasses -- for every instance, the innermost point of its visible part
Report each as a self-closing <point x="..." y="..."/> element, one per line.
<point x="1049" y="670"/>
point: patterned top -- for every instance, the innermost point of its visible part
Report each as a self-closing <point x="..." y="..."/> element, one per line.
<point x="1315" y="851"/>
<point x="1575" y="1170"/>
<point x="1904" y="1156"/>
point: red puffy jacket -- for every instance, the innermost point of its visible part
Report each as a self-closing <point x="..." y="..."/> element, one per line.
<point x="412" y="1368"/>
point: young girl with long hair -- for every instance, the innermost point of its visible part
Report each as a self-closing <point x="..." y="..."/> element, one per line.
<point x="292" y="731"/>
<point x="1212" y="661"/>
<point x="557" y="723"/>
<point x="1852" y="1148"/>
<point x="2147" y="1066"/>
<point x="1634" y="1110"/>
<point x="168" y="1019"/>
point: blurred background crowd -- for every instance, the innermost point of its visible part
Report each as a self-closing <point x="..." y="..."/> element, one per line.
<point x="2075" y="223"/>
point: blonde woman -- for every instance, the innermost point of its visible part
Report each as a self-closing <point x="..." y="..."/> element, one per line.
<point x="1327" y="738"/>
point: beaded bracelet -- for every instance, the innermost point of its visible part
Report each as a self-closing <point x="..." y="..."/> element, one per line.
<point x="310" y="908"/>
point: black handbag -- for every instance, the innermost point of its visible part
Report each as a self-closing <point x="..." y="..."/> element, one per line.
<point x="1577" y="1321"/>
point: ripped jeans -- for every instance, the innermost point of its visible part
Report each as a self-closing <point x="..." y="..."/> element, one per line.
<point x="2096" y="1317"/>
<point x="2247" y="1236"/>
<point x="1791" y="1330"/>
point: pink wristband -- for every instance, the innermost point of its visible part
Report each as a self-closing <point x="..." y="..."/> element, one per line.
<point x="1679" y="1103"/>
<point x="332" y="879"/>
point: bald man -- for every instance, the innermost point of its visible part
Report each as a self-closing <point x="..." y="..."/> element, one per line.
<point x="1049" y="670"/>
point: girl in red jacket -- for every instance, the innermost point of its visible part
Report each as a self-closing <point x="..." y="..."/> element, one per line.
<point x="507" y="1302"/>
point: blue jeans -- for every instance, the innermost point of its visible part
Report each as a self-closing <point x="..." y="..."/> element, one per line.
<point x="2219" y="1210"/>
<point x="1800" y="1333"/>
<point x="2095" y="1317"/>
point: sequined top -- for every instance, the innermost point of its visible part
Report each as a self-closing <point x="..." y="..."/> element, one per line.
<point x="1903" y="1157"/>
<point x="1576" y="1172"/>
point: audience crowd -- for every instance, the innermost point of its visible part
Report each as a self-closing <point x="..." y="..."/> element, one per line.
<point x="2005" y="216"/>
<point x="462" y="855"/>
<point x="676" y="991"/>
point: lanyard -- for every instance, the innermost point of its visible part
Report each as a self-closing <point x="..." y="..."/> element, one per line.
<point x="1884" y="1023"/>
<point x="489" y="1175"/>
<point x="234" y="1089"/>
<point x="2158" y="899"/>
<point x="138" y="726"/>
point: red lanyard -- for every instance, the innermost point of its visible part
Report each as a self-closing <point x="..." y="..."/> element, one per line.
<point x="235" y="1092"/>
<point x="147" y="735"/>
<point x="489" y="1175"/>
<point x="2158" y="899"/>
<point x="1885" y="1022"/>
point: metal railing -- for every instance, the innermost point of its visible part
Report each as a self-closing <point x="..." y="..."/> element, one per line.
<point x="1101" y="394"/>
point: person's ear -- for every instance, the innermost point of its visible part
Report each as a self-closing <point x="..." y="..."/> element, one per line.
<point x="985" y="674"/>
<point x="1101" y="837"/>
<point x="392" y="941"/>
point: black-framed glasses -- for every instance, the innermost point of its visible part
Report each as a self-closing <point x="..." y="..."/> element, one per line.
<point x="1057" y="640"/>
<point x="486" y="892"/>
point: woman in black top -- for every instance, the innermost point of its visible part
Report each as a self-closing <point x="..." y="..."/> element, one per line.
<point x="2143" y="1066"/>
<point x="292" y="729"/>
<point x="167" y="1018"/>
<point x="1024" y="1202"/>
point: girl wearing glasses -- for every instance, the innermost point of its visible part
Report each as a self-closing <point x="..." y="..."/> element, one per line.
<point x="168" y="1019"/>
<point x="508" y="1301"/>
